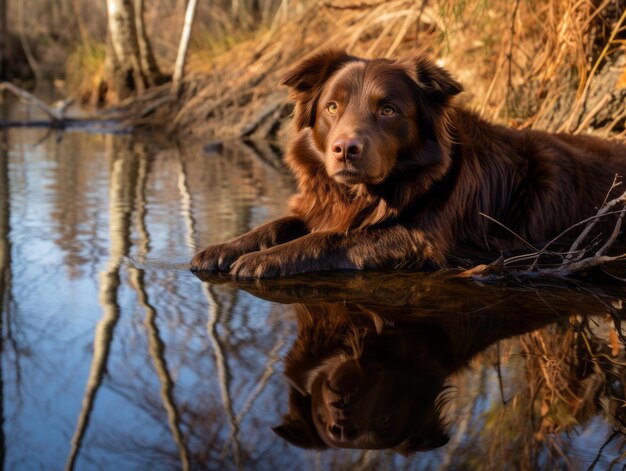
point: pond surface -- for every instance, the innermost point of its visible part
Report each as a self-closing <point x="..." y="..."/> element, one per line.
<point x="114" y="356"/>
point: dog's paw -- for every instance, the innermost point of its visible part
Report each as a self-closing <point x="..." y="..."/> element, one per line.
<point x="259" y="265"/>
<point x="215" y="258"/>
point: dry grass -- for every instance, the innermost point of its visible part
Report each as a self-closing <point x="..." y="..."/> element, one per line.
<point x="531" y="63"/>
<point x="84" y="70"/>
<point x="556" y="64"/>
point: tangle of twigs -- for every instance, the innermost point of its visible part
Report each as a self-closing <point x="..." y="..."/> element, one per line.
<point x="573" y="260"/>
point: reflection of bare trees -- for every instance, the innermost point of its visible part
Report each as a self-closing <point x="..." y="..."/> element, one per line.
<point x="230" y="194"/>
<point x="152" y="354"/>
<point x="157" y="353"/>
<point x="214" y="317"/>
<point x="185" y="202"/>
<point x="219" y="315"/>
<point x="5" y="268"/>
<point x="123" y="177"/>
<point x="270" y="368"/>
<point x="223" y="371"/>
<point x="74" y="223"/>
<point x="215" y="311"/>
<point x="155" y="343"/>
<point x="130" y="174"/>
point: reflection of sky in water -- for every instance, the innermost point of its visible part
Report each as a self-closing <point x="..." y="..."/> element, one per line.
<point x="56" y="307"/>
<point x="62" y="209"/>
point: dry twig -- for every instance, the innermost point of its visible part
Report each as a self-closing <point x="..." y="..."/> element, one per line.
<point x="573" y="260"/>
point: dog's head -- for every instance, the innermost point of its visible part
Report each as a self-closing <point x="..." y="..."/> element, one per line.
<point x="354" y="388"/>
<point x="368" y="118"/>
<point x="352" y="403"/>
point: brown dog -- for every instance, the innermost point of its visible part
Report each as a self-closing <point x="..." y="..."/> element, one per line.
<point x="393" y="175"/>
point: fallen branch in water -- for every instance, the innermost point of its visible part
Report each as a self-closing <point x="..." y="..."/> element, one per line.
<point x="573" y="260"/>
<point x="56" y="112"/>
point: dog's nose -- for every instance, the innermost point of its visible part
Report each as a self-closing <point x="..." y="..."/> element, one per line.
<point x="347" y="148"/>
<point x="342" y="434"/>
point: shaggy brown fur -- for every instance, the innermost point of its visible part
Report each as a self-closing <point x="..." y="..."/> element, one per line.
<point x="393" y="175"/>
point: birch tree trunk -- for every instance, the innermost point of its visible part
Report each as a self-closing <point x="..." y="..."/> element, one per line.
<point x="4" y="40"/>
<point x="146" y="56"/>
<point x="182" y="48"/>
<point x="130" y="64"/>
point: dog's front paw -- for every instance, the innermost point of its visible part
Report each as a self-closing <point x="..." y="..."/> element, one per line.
<point x="215" y="258"/>
<point x="259" y="265"/>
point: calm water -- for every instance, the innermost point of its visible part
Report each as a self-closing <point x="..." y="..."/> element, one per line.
<point x="114" y="356"/>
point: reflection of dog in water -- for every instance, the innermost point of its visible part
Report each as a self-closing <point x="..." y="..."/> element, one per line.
<point x="359" y="381"/>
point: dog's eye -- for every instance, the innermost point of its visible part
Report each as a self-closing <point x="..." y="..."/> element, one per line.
<point x="388" y="110"/>
<point x="384" y="420"/>
<point x="332" y="107"/>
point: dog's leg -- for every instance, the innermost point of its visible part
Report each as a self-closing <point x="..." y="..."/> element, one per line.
<point x="394" y="247"/>
<point x="220" y="257"/>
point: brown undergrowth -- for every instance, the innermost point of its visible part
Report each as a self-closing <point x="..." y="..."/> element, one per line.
<point x="557" y="65"/>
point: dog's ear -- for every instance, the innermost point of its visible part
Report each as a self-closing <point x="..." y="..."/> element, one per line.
<point x="435" y="81"/>
<point x="298" y="433"/>
<point x="307" y="79"/>
<point x="298" y="427"/>
<point x="434" y="88"/>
